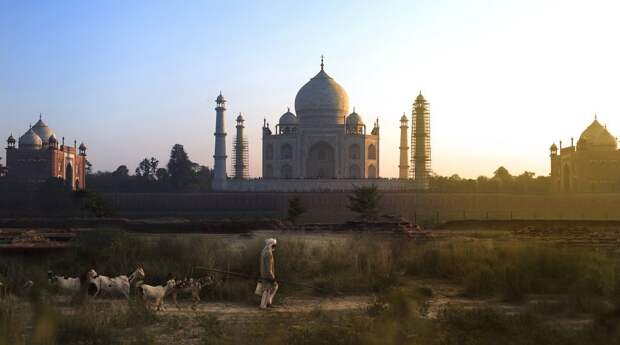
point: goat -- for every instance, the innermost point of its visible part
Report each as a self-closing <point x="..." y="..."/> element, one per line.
<point x="193" y="286"/>
<point x="155" y="293"/>
<point x="68" y="285"/>
<point x="114" y="286"/>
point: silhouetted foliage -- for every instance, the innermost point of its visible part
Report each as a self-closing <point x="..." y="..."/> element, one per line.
<point x="94" y="204"/>
<point x="181" y="175"/>
<point x="501" y="182"/>
<point x="181" y="169"/>
<point x="365" y="201"/>
<point x="295" y="209"/>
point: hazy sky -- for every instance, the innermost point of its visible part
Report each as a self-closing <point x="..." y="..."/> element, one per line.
<point x="131" y="78"/>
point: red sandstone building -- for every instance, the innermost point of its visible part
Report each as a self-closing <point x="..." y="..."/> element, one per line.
<point x="40" y="157"/>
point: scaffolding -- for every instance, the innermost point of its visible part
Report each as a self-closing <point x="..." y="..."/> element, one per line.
<point x="421" y="142"/>
<point x="241" y="169"/>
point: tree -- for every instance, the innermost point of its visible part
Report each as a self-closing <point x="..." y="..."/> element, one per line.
<point x="147" y="169"/>
<point x="180" y="168"/>
<point x="89" y="168"/>
<point x="295" y="209"/>
<point x="121" y="171"/>
<point x="365" y="201"/>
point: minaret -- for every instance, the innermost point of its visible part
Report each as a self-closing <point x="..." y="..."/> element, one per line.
<point x="403" y="167"/>
<point x="240" y="152"/>
<point x="219" y="165"/>
<point x="421" y="142"/>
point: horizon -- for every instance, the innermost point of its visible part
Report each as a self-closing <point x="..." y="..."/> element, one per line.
<point x="504" y="81"/>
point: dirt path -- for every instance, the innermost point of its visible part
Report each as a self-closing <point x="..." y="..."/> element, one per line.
<point x="287" y="305"/>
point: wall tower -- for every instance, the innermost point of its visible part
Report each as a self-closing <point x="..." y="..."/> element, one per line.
<point x="240" y="152"/>
<point x="219" y="165"/>
<point x="403" y="167"/>
<point x="421" y="142"/>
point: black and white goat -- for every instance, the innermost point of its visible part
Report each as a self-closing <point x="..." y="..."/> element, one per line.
<point x="69" y="285"/>
<point x="193" y="286"/>
<point x="156" y="294"/>
<point x="120" y="285"/>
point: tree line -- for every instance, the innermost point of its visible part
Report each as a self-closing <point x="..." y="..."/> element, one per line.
<point x="179" y="175"/>
<point x="501" y="182"/>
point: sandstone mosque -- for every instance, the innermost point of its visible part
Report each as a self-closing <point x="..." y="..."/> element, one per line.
<point x="323" y="145"/>
<point x="40" y="156"/>
<point x="591" y="166"/>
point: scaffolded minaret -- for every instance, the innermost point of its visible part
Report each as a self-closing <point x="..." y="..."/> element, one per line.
<point x="219" y="165"/>
<point x="403" y="167"/>
<point x="421" y="142"/>
<point x="240" y="152"/>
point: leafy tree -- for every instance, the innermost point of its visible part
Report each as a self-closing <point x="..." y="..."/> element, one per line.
<point x="89" y="168"/>
<point x="365" y="201"/>
<point x="295" y="209"/>
<point x="121" y="171"/>
<point x="180" y="168"/>
<point x="95" y="204"/>
<point x="147" y="169"/>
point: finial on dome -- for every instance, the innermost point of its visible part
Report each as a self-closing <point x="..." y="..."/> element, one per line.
<point x="322" y="65"/>
<point x="40" y="116"/>
<point x="353" y="109"/>
<point x="288" y="109"/>
<point x="595" y="117"/>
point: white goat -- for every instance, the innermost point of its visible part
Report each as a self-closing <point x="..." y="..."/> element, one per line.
<point x="155" y="293"/>
<point x="69" y="285"/>
<point x="120" y="285"/>
<point x="193" y="286"/>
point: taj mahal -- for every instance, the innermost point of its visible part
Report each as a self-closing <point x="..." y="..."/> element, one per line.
<point x="323" y="145"/>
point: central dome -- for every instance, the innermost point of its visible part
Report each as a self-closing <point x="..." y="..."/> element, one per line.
<point x="322" y="101"/>
<point x="597" y="138"/>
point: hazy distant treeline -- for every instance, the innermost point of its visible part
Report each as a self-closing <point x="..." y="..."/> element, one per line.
<point x="501" y="182"/>
<point x="179" y="175"/>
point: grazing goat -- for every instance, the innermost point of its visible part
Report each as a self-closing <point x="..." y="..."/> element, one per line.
<point x="68" y="285"/>
<point x="114" y="286"/>
<point x="193" y="286"/>
<point x="155" y="293"/>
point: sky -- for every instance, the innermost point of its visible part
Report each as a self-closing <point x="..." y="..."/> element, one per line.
<point x="505" y="79"/>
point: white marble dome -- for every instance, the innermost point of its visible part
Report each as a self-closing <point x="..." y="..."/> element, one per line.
<point x="288" y="119"/>
<point x="354" y="119"/>
<point x="322" y="101"/>
<point x="30" y="140"/>
<point x="44" y="132"/>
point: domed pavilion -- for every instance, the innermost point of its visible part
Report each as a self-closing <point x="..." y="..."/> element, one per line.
<point x="592" y="165"/>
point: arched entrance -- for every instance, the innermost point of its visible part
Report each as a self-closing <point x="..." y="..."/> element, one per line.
<point x="69" y="176"/>
<point x="321" y="161"/>
<point x="566" y="178"/>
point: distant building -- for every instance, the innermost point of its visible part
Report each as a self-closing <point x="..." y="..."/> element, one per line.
<point x="592" y="166"/>
<point x="324" y="140"/>
<point x="324" y="147"/>
<point x="39" y="156"/>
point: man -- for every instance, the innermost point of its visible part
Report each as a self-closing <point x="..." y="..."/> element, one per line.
<point x="267" y="285"/>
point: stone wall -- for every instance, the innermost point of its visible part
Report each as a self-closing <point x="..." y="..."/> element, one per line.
<point x="332" y="206"/>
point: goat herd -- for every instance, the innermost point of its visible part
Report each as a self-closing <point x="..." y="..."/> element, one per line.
<point x="95" y="285"/>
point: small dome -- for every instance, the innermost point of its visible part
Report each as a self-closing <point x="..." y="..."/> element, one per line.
<point x="240" y="118"/>
<point x="597" y="138"/>
<point x="354" y="119"/>
<point x="404" y="118"/>
<point x="220" y="99"/>
<point x="288" y="119"/>
<point x="321" y="100"/>
<point x="553" y="147"/>
<point x="41" y="129"/>
<point x="82" y="147"/>
<point x="52" y="139"/>
<point x="11" y="140"/>
<point x="30" y="140"/>
<point x="420" y="98"/>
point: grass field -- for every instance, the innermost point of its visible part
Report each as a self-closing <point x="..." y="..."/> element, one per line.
<point x="464" y="287"/>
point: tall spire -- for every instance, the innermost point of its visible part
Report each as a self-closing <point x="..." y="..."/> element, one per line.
<point x="322" y="65"/>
